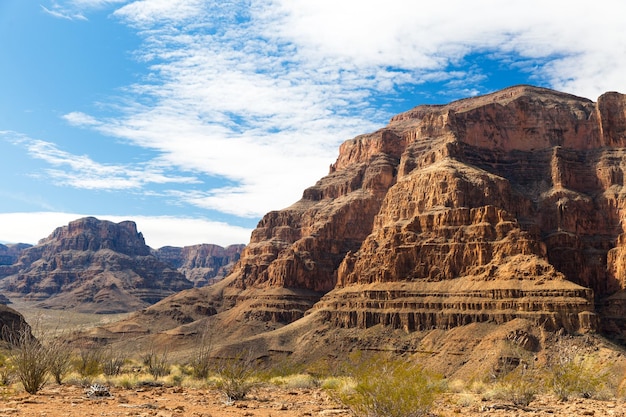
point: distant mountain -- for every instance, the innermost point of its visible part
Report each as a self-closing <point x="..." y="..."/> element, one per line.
<point x="92" y="265"/>
<point x="201" y="264"/>
<point x="9" y="253"/>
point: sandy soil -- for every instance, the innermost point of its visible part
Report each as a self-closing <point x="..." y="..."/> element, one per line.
<point x="69" y="400"/>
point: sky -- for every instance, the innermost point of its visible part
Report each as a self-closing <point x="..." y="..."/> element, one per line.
<point x="194" y="118"/>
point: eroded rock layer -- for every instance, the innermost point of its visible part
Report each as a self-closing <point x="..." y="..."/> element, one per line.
<point x="491" y="208"/>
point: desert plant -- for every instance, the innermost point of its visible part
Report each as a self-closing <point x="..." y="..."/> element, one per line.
<point x="571" y="373"/>
<point x="31" y="361"/>
<point x="576" y="377"/>
<point x="200" y="363"/>
<point x="519" y="386"/>
<point x="60" y="358"/>
<point x="89" y="361"/>
<point x="386" y="386"/>
<point x="235" y="375"/>
<point x="112" y="362"/>
<point x="6" y="370"/>
<point x="157" y="365"/>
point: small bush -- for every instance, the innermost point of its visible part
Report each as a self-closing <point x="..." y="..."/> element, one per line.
<point x="200" y="363"/>
<point x="60" y="359"/>
<point x="157" y="365"/>
<point x="235" y="376"/>
<point x="6" y="371"/>
<point x="571" y="373"/>
<point x="295" y="381"/>
<point x="519" y="386"/>
<point x="390" y="387"/>
<point x="113" y="362"/>
<point x="31" y="361"/>
<point x="89" y="361"/>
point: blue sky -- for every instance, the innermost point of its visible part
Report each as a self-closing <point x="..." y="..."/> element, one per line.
<point x="194" y="117"/>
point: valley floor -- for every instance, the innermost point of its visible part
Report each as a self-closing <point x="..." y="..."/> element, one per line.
<point x="71" y="400"/>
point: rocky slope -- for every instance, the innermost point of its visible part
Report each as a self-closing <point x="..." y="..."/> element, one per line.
<point x="201" y="264"/>
<point x="93" y="266"/>
<point x="486" y="220"/>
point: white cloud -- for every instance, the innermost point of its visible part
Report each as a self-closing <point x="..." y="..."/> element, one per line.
<point x="80" y="171"/>
<point x="76" y="9"/>
<point x="585" y="45"/>
<point x="158" y="231"/>
<point x="262" y="93"/>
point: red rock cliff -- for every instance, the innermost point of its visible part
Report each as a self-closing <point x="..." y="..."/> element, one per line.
<point x="487" y="209"/>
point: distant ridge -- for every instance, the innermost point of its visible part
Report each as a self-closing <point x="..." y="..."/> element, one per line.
<point x="92" y="265"/>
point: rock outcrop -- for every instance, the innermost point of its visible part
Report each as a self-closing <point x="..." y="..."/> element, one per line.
<point x="491" y="208"/>
<point x="93" y="266"/>
<point x="13" y="326"/>
<point x="202" y="264"/>
<point x="504" y="209"/>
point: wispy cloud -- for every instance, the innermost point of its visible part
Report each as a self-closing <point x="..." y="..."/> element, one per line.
<point x="262" y="93"/>
<point x="80" y="171"/>
<point x="76" y="9"/>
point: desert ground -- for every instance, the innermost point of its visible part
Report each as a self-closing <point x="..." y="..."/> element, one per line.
<point x="271" y="401"/>
<point x="290" y="398"/>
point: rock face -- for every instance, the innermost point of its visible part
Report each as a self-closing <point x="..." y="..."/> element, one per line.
<point x="201" y="264"/>
<point x="487" y="209"/>
<point x="93" y="266"/>
<point x="12" y="326"/>
<point x="10" y="253"/>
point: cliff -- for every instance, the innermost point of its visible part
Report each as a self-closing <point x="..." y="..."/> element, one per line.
<point x="201" y="264"/>
<point x="10" y="253"/>
<point x="504" y="206"/>
<point x="93" y="266"/>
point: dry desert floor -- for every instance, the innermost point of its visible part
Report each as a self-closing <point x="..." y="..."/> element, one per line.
<point x="72" y="400"/>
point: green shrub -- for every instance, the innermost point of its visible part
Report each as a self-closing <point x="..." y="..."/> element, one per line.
<point x="519" y="386"/>
<point x="89" y="361"/>
<point x="6" y="371"/>
<point x="112" y="362"/>
<point x="200" y="362"/>
<point x="60" y="359"/>
<point x="390" y="387"/>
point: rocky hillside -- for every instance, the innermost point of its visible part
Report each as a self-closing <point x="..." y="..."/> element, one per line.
<point x="201" y="264"/>
<point x="92" y="266"/>
<point x="462" y="226"/>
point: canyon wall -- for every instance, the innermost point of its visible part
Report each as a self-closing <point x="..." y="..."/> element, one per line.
<point x="487" y="209"/>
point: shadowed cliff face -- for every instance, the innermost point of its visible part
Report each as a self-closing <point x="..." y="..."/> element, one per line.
<point x="486" y="209"/>
<point x="93" y="266"/>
